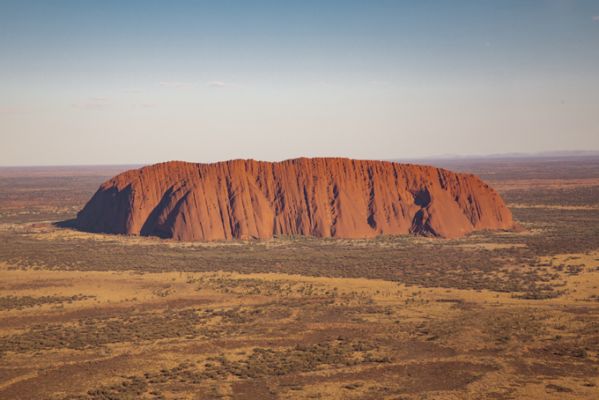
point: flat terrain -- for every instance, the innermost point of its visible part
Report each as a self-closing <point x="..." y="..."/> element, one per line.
<point x="504" y="315"/>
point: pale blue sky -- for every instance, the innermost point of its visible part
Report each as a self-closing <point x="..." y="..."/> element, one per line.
<point x="85" y="82"/>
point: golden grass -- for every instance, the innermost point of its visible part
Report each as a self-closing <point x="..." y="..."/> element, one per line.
<point x="415" y="329"/>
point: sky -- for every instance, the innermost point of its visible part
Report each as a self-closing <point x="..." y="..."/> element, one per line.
<point x="129" y="82"/>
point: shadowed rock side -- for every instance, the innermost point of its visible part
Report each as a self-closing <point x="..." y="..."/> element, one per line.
<point x="323" y="197"/>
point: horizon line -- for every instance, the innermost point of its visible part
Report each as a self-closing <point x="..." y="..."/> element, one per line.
<point x="439" y="157"/>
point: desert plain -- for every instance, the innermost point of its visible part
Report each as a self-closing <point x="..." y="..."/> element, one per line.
<point x="494" y="315"/>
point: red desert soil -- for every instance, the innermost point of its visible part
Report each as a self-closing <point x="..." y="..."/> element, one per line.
<point x="323" y="197"/>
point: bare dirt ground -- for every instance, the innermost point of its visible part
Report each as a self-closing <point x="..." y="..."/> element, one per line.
<point x="506" y="315"/>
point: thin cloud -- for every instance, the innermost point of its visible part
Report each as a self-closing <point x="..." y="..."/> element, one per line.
<point x="377" y="82"/>
<point x="92" y="103"/>
<point x="218" y="84"/>
<point x="175" y="84"/>
<point x="142" y="105"/>
<point x="10" y="110"/>
<point x="595" y="18"/>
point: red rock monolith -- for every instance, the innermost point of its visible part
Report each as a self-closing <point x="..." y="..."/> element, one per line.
<point x="322" y="197"/>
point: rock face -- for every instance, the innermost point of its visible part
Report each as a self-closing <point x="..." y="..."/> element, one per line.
<point x="323" y="197"/>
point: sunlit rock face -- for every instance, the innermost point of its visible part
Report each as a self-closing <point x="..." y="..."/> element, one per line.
<point x="322" y="197"/>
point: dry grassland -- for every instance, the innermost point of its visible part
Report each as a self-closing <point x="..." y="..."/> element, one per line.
<point x="508" y="315"/>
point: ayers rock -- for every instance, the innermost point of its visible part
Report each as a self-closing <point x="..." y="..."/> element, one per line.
<point x="323" y="197"/>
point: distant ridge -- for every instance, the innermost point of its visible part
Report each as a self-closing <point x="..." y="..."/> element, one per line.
<point x="322" y="197"/>
<point x="506" y="156"/>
